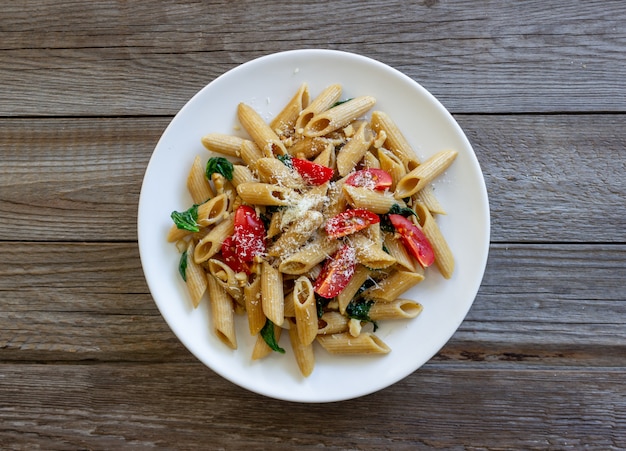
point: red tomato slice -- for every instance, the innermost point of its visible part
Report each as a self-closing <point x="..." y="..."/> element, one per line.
<point x="350" y="221"/>
<point x="229" y="254"/>
<point x="372" y="178"/>
<point x="249" y="234"/>
<point x="312" y="173"/>
<point x="414" y="240"/>
<point x="336" y="272"/>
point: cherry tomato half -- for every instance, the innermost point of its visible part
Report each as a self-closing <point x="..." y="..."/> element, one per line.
<point x="336" y="272"/>
<point x="312" y="173"/>
<point x="414" y="240"/>
<point x="229" y="254"/>
<point x="249" y="236"/>
<point x="350" y="221"/>
<point x="372" y="178"/>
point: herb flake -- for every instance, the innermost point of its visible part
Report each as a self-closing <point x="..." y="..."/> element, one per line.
<point x="187" y="220"/>
<point x="182" y="266"/>
<point x="360" y="309"/>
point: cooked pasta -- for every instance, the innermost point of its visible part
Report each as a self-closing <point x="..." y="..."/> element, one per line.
<point x="317" y="222"/>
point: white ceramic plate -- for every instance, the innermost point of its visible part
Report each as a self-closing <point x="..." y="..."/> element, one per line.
<point x="267" y="83"/>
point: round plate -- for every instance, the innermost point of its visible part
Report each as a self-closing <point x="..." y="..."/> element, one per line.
<point x="267" y="83"/>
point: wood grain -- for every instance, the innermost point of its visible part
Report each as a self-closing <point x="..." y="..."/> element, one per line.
<point x="88" y="301"/>
<point x="119" y="58"/>
<point x="545" y="176"/>
<point x="185" y="406"/>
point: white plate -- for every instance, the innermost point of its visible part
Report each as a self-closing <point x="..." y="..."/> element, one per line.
<point x="267" y="83"/>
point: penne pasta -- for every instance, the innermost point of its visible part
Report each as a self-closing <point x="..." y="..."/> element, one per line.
<point x="272" y="297"/>
<point x="443" y="255"/>
<point x="425" y="173"/>
<point x="223" y="144"/>
<point x="305" y="310"/>
<point x="222" y="313"/>
<point x="253" y="302"/>
<point x="267" y="194"/>
<point x="381" y="122"/>
<point x="374" y="201"/>
<point x="285" y="121"/>
<point x="388" y="289"/>
<point x="322" y="102"/>
<point x="195" y="277"/>
<point x="354" y="150"/>
<point x="262" y="134"/>
<point x="197" y="184"/>
<point x="211" y="243"/>
<point x="339" y="116"/>
<point x="397" y="309"/>
<point x="344" y="343"/>
<point x="303" y="352"/>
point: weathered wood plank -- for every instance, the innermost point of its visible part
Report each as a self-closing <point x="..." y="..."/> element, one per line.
<point x="185" y="406"/>
<point x="77" y="301"/>
<point x="549" y="178"/>
<point x="112" y="58"/>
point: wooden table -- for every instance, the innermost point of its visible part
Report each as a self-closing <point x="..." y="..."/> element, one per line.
<point x="86" y="360"/>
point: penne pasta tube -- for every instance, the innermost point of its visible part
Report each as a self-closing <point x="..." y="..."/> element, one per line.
<point x="175" y="234"/>
<point x="369" y="254"/>
<point x="328" y="97"/>
<point x="425" y="173"/>
<point x="396" y="142"/>
<point x="267" y="194"/>
<point x="297" y="234"/>
<point x="222" y="313"/>
<point x="273" y="171"/>
<point x="398" y="309"/>
<point x="332" y="323"/>
<point x="250" y="153"/>
<point x="310" y="255"/>
<point x="261" y="349"/>
<point x="302" y="352"/>
<point x="262" y="134"/>
<point x="223" y="144"/>
<point x="361" y="274"/>
<point x="242" y="174"/>
<point x="374" y="201"/>
<point x="285" y="121"/>
<point x="226" y="277"/>
<point x="426" y="196"/>
<point x="211" y="243"/>
<point x="392" y="165"/>
<point x="444" y="259"/>
<point x="354" y="150"/>
<point x="272" y="297"/>
<point x="344" y="343"/>
<point x="305" y="310"/>
<point x="397" y="250"/>
<point x="195" y="275"/>
<point x="197" y="183"/>
<point x="213" y="211"/>
<point x="308" y="147"/>
<point x="339" y="116"/>
<point x="388" y="289"/>
<point x="253" y="303"/>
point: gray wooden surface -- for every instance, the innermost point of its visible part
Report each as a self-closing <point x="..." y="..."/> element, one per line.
<point x="86" y="89"/>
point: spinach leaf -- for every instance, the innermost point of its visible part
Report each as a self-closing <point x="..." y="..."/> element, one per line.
<point x="220" y="165"/>
<point x="182" y="266"/>
<point x="360" y="309"/>
<point x="187" y="220"/>
<point x="339" y="103"/>
<point x="286" y="160"/>
<point x="320" y="303"/>
<point x="396" y="209"/>
<point x="267" y="333"/>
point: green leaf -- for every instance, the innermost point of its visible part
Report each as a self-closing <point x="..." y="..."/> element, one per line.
<point x="182" y="266"/>
<point x="187" y="220"/>
<point x="339" y="103"/>
<point x="267" y="333"/>
<point x="286" y="160"/>
<point x="320" y="303"/>
<point x="396" y="209"/>
<point x="360" y="309"/>
<point x="220" y="165"/>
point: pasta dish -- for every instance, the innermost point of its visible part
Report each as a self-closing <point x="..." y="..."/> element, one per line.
<point x="315" y="224"/>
